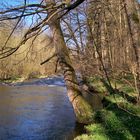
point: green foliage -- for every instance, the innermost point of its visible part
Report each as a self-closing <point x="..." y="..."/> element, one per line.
<point x="95" y="129"/>
<point x="113" y="125"/>
<point x="97" y="84"/>
<point x="115" y="129"/>
<point x="119" y="120"/>
<point x="132" y="108"/>
<point x="87" y="116"/>
<point x="92" y="137"/>
<point x="135" y="17"/>
<point x="127" y="89"/>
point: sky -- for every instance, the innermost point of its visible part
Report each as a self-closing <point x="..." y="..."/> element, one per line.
<point x="19" y="2"/>
<point x="13" y="2"/>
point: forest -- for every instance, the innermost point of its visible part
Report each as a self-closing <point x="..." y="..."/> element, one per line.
<point x="86" y="53"/>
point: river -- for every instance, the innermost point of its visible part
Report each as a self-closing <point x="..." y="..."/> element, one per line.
<point x="37" y="110"/>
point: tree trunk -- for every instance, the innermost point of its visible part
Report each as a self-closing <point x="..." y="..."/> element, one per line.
<point x="82" y="109"/>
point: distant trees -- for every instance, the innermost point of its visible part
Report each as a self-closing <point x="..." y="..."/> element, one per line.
<point x="26" y="61"/>
<point x="114" y="27"/>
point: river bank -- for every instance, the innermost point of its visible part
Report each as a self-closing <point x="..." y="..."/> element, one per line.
<point x="20" y="79"/>
<point x="119" y="119"/>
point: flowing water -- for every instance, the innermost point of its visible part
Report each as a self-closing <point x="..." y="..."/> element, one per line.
<point x="37" y="110"/>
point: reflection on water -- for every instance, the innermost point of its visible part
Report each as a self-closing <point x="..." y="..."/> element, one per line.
<point x="33" y="112"/>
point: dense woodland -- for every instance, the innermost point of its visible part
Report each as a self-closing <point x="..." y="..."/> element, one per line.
<point x="98" y="41"/>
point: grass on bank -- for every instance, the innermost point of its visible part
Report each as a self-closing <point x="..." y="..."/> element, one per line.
<point x="118" y="120"/>
<point x="17" y="79"/>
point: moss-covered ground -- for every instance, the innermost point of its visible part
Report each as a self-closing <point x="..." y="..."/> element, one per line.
<point x="120" y="117"/>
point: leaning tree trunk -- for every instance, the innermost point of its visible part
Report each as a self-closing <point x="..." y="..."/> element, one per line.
<point x="82" y="109"/>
